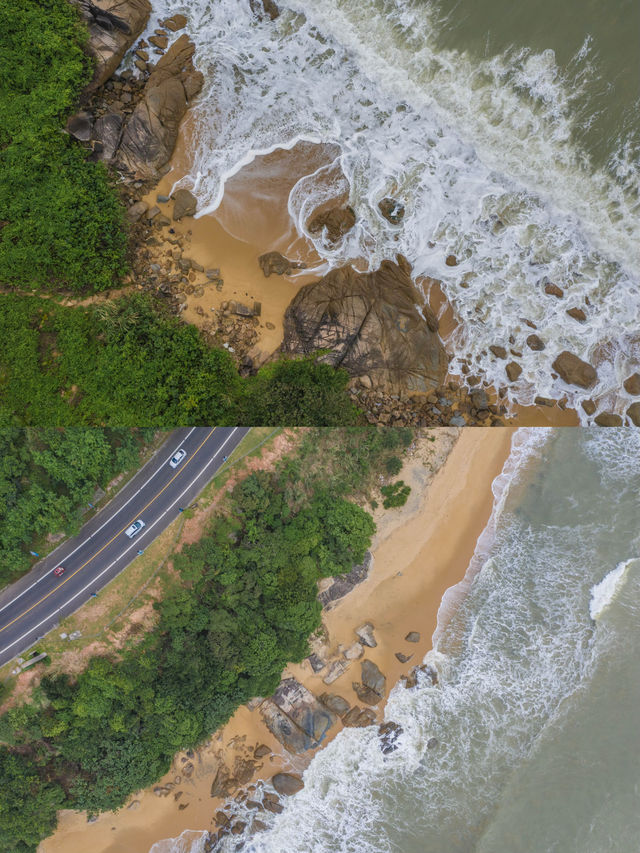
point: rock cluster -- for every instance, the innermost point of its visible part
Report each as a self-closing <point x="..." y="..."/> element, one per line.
<point x="370" y="326"/>
<point x="295" y="717"/>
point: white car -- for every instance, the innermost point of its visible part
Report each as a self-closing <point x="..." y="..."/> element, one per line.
<point x="177" y="458"/>
<point x="134" y="528"/>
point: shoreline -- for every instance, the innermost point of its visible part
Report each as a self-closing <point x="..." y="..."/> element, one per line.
<point x="438" y="527"/>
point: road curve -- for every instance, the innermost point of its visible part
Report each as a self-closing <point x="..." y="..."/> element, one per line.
<point x="35" y="604"/>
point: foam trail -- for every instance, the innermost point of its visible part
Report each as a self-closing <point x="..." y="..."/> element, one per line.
<point x="605" y="592"/>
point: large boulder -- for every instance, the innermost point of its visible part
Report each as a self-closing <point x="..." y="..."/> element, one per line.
<point x="372" y="687"/>
<point x="574" y="371"/>
<point x="370" y="325"/>
<point x="295" y="717"/>
<point x="107" y="131"/>
<point x="275" y="262"/>
<point x="151" y="132"/>
<point x="287" y="784"/>
<point x="113" y="27"/>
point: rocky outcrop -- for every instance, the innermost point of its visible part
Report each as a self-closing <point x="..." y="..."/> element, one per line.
<point x="113" y="27"/>
<point x="151" y="132"/>
<point x="369" y="324"/>
<point x="295" y="717"/>
<point x="337" y="221"/>
<point x="574" y="371"/>
<point x="344" y="584"/>
<point x="372" y="687"/>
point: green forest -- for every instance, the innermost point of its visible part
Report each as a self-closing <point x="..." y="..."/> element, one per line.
<point x="245" y="606"/>
<point x="47" y="476"/>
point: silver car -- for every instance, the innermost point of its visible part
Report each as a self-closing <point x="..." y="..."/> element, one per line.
<point x="134" y="528"/>
<point x="177" y="458"/>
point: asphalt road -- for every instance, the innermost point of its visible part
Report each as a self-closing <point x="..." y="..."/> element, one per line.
<point x="35" y="604"/>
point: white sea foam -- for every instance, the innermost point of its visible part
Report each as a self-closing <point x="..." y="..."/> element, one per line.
<point x="479" y="151"/>
<point x="605" y="592"/>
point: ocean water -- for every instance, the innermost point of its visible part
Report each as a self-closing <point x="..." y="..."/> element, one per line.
<point x="509" y="131"/>
<point x="536" y="710"/>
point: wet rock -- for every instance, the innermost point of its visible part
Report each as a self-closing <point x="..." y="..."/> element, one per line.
<point x="275" y="262"/>
<point x="287" y="784"/>
<point x="417" y="673"/>
<point x="365" y="634"/>
<point x="403" y="658"/>
<point x="633" y="413"/>
<point x="159" y="41"/>
<point x="358" y="718"/>
<point x="432" y="743"/>
<point x="479" y="400"/>
<point x="577" y="314"/>
<point x="295" y="717"/>
<point x="608" y="419"/>
<point x="260" y="8"/>
<point x="413" y="636"/>
<point x="513" y="370"/>
<point x="151" y="131"/>
<point x="553" y="290"/>
<point x="369" y="325"/>
<point x="632" y="385"/>
<point x="337" y="221"/>
<point x="335" y="703"/>
<point x="392" y="210"/>
<point x="389" y="734"/>
<point x="344" y="584"/>
<point x="498" y="351"/>
<point x="184" y="204"/>
<point x="274" y="807"/>
<point x="589" y="406"/>
<point x="544" y="401"/>
<point x="535" y="343"/>
<point x="574" y="371"/>
<point x="372" y="687"/>
<point x="175" y="23"/>
<point x="451" y="261"/>
<point x="113" y="26"/>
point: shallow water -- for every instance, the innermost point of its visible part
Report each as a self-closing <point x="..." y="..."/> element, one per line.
<point x="509" y="131"/>
<point x="535" y="715"/>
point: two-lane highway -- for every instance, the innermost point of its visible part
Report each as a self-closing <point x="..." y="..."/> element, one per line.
<point x="157" y="493"/>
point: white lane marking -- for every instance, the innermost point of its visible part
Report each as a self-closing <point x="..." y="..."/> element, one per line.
<point x="82" y="544"/>
<point x="126" y="551"/>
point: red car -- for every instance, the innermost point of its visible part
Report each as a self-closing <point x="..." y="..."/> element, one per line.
<point x="58" y="571"/>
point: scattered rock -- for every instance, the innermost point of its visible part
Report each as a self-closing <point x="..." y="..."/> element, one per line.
<point x="577" y="314"/>
<point x="451" y="261"/>
<point x="413" y="637"/>
<point x="335" y="703"/>
<point x="632" y="385"/>
<point x="134" y="804"/>
<point x="287" y="784"/>
<point x="498" y="351"/>
<point x="358" y="718"/>
<point x="535" y="343"/>
<point x="159" y="41"/>
<point x="175" y="23"/>
<point x="336" y="669"/>
<point x="369" y="324"/>
<point x="136" y="210"/>
<point x="354" y="652"/>
<point x="589" y="406"/>
<point x="574" y="371"/>
<point x="274" y="262"/>
<point x="316" y="662"/>
<point x="392" y="210"/>
<point x="274" y="807"/>
<point x="184" y="204"/>
<point x="432" y="743"/>
<point x="403" y="658"/>
<point x="337" y="221"/>
<point x="80" y="126"/>
<point x="365" y="633"/>
<point x="414" y="676"/>
<point x="372" y="688"/>
<point x="261" y="750"/>
<point x="264" y="7"/>
<point x="608" y="419"/>
<point x="223" y="782"/>
<point x="553" y="290"/>
<point x="633" y="413"/>
<point x="513" y="371"/>
<point x="479" y="400"/>
<point x="544" y="401"/>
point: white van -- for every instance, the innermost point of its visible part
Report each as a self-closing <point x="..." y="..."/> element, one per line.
<point x="136" y="527"/>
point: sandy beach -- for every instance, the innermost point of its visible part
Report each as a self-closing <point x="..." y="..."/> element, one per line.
<point x="419" y="552"/>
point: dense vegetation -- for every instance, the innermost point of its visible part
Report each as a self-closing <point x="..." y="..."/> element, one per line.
<point x="60" y="220"/>
<point x="125" y="363"/>
<point x="47" y="476"/>
<point x="245" y="606"/>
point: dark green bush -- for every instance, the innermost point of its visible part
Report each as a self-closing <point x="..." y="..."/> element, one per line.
<point x="395" y="494"/>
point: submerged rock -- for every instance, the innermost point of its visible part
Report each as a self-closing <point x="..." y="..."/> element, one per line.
<point x="389" y="734"/>
<point x="338" y="221"/>
<point x="260" y="8"/>
<point x="392" y="210"/>
<point x="151" y="131"/>
<point x="370" y="325"/>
